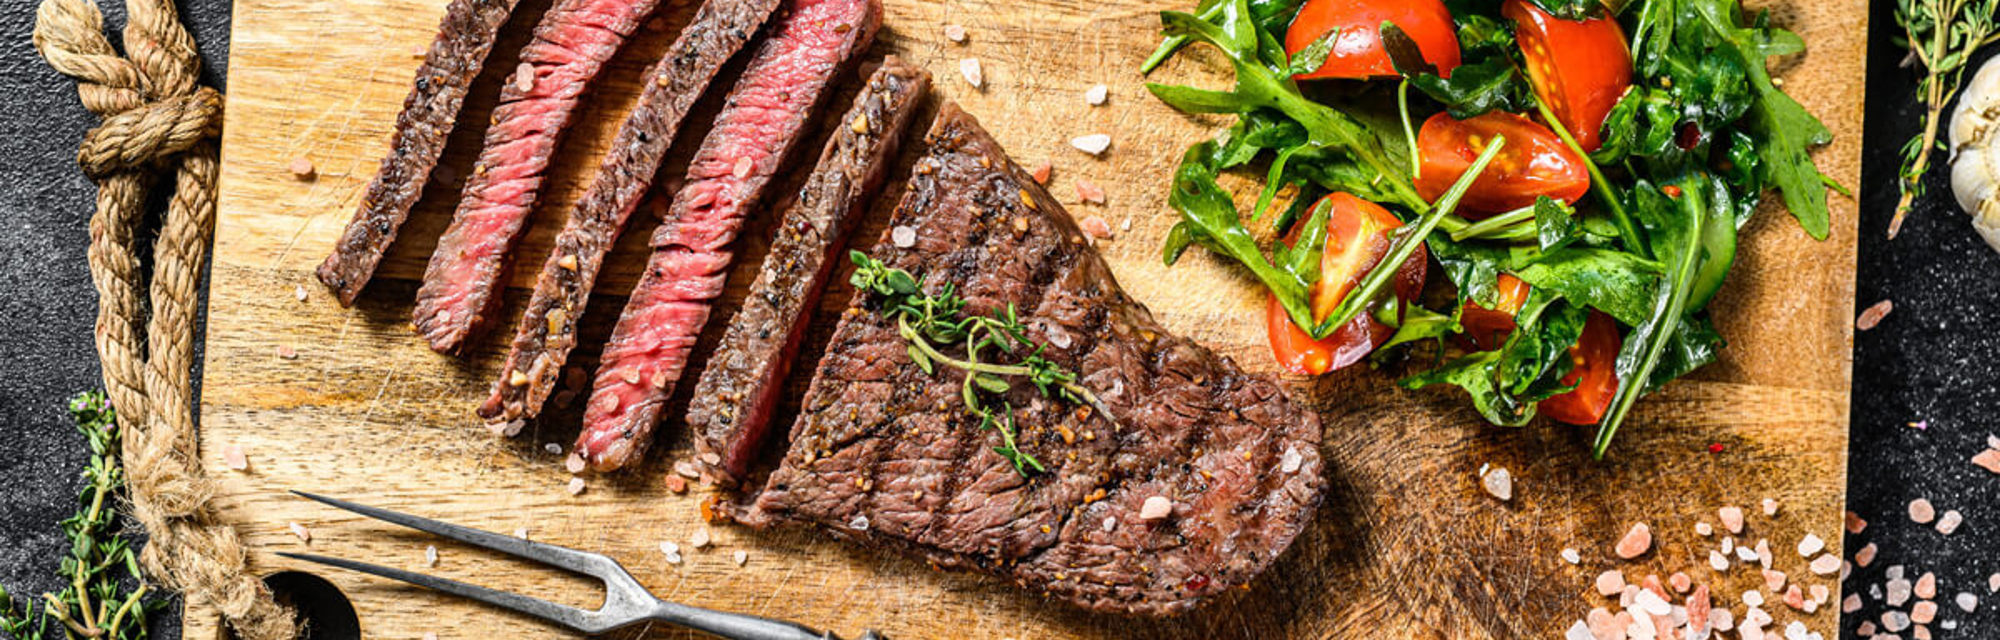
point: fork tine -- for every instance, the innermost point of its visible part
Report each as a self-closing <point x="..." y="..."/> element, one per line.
<point x="564" y="615"/>
<point x="581" y="562"/>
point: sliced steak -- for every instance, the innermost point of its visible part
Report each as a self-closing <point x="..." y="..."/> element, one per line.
<point x="765" y="117"/>
<point x="548" y="327"/>
<point x="464" y="38"/>
<point x="732" y="404"/>
<point x="886" y="454"/>
<point x="462" y="284"/>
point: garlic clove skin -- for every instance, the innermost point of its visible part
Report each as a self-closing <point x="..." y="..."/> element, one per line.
<point x="1975" y="158"/>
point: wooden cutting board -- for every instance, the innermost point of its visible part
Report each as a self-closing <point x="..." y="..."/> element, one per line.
<point x="1407" y="545"/>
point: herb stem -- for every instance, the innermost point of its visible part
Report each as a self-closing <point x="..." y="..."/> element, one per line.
<point x="1488" y="227"/>
<point x="1409" y="135"/>
<point x="909" y="333"/>
<point x="1628" y="231"/>
<point x="1405" y="245"/>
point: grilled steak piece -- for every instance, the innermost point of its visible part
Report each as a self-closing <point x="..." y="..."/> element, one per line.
<point x="731" y="410"/>
<point x="764" y="118"/>
<point x="464" y="38"/>
<point x="548" y="327"/>
<point x="463" y="282"/>
<point x="884" y="453"/>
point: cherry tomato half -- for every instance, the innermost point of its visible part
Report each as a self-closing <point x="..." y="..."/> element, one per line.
<point x="1578" y="68"/>
<point x="1533" y="163"/>
<point x="1595" y="374"/>
<point x="1488" y="328"/>
<point x="1357" y="238"/>
<point x="1357" y="50"/>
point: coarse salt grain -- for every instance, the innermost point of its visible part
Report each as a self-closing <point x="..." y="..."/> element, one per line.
<point x="524" y="77"/>
<point x="301" y="168"/>
<point x="686" y="469"/>
<point x="1763" y="551"/>
<point x="1089" y="193"/>
<point x="299" y="292"/>
<point x="1810" y="545"/>
<point x="1498" y="483"/>
<point x="1717" y="562"/>
<point x="1096" y="95"/>
<point x="1579" y="631"/>
<point x="1993" y="583"/>
<point x="1610" y="583"/>
<point x="1866" y="555"/>
<point x="286" y="351"/>
<point x="1949" y="522"/>
<point x="1921" y="511"/>
<point x="1155" y="507"/>
<point x="431" y="556"/>
<point x="955" y="33"/>
<point x="1570" y="555"/>
<point x="1753" y="598"/>
<point x="1770" y="507"/>
<point x="671" y="551"/>
<point x="1041" y="173"/>
<point x="974" y="76"/>
<point x="1652" y="603"/>
<point x="304" y="534"/>
<point x="1636" y="542"/>
<point x="1704" y="529"/>
<point x="430" y="635"/>
<point x="1926" y="586"/>
<point x="1290" y="461"/>
<point x="1966" y="601"/>
<point x="521" y="533"/>
<point x="1095" y="227"/>
<point x="1093" y="144"/>
<point x="576" y="485"/>
<point x="1774" y="580"/>
<point x="904" y="236"/>
<point x="553" y="449"/>
<point x="1873" y="315"/>
<point x="1680" y="582"/>
<point x="234" y="458"/>
<point x="1851" y="603"/>
<point x="1732" y="519"/>
<point x="1825" y="565"/>
<point x="574" y="463"/>
<point x="1854" y="523"/>
<point x="699" y="539"/>
<point x="859" y="523"/>
<point x="677" y="484"/>
<point x="1923" y="612"/>
<point x="1988" y="460"/>
<point x="1110" y="523"/>
<point x="1746" y="554"/>
<point x="741" y="557"/>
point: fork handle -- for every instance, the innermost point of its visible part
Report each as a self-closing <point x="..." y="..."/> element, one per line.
<point x="737" y="626"/>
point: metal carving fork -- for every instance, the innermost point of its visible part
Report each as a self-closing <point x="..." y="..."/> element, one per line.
<point x="625" y="602"/>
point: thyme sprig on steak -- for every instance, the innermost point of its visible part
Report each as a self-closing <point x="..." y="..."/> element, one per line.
<point x="928" y="321"/>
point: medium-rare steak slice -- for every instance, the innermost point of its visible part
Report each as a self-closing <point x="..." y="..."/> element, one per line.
<point x="764" y="118"/>
<point x="548" y="327"/>
<point x="732" y="404"/>
<point x="462" y="284"/>
<point x="885" y="453"/>
<point x="464" y="38"/>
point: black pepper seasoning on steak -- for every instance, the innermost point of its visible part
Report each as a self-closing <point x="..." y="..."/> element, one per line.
<point x="464" y="38"/>
<point x="462" y="283"/>
<point x="547" y="330"/>
<point x="730" y="413"/>
<point x="1202" y="480"/>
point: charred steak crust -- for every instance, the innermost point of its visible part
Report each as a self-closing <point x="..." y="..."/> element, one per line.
<point x="885" y="454"/>
<point x="464" y="38"/>
<point x="730" y="412"/>
<point x="575" y="39"/>
<point x="547" y="330"/>
<point x="764" y="118"/>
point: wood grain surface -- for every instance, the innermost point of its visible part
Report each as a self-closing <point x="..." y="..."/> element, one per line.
<point x="1406" y="545"/>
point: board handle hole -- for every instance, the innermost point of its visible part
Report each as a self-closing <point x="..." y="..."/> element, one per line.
<point x="324" y="613"/>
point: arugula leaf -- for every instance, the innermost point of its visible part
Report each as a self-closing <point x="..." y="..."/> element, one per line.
<point x="1493" y="84"/>
<point x="1209" y="218"/>
<point x="1554" y="226"/>
<point x="1273" y="16"/>
<point x="1784" y="131"/>
<point x="1572" y="9"/>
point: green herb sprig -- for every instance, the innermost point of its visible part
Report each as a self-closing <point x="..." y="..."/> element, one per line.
<point x="1942" y="36"/>
<point x="930" y="321"/>
<point x="104" y="597"/>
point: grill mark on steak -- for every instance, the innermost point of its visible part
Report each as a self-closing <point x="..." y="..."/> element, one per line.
<point x="764" y="119"/>
<point x="547" y="330"/>
<point x="465" y="37"/>
<point x="462" y="284"/>
<point x="730" y="413"/>
<point x="921" y="476"/>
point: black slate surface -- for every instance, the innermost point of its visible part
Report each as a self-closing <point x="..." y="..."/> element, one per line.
<point x="1935" y="359"/>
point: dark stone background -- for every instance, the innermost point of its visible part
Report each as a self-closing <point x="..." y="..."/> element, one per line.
<point x="1935" y="358"/>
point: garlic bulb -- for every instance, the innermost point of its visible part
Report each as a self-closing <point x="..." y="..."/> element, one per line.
<point x="1975" y="164"/>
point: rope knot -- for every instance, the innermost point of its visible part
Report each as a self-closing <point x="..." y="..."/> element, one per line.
<point x="147" y="137"/>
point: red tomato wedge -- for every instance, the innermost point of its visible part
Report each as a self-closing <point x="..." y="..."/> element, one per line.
<point x="1488" y="328"/>
<point x="1357" y="238"/>
<point x="1578" y="68"/>
<point x="1595" y="375"/>
<point x="1357" y="49"/>
<point x="1533" y="163"/>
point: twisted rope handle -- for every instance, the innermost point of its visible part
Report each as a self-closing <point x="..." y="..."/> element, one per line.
<point x="156" y="121"/>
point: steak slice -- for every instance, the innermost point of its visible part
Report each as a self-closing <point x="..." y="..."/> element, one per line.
<point x="463" y="281"/>
<point x="548" y="327"/>
<point x="884" y="453"/>
<point x="731" y="410"/>
<point x="464" y="38"/>
<point x="764" y="118"/>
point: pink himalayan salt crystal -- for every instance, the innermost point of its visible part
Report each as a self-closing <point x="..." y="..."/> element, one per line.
<point x="304" y="534"/>
<point x="1851" y="603"/>
<point x="1090" y="193"/>
<point x="1652" y="584"/>
<point x="1865" y="556"/>
<point x="1923" y="612"/>
<point x="1155" y="507"/>
<point x="1949" y="522"/>
<point x="1770" y="507"/>
<point x="1499" y="484"/>
<point x="574" y="463"/>
<point x="1819" y="592"/>
<point x="1825" y="565"/>
<point x="1988" y="460"/>
<point x="1993" y="583"/>
<point x="1096" y="227"/>
<point x="677" y="484"/>
<point x="234" y="458"/>
<point x="1926" y="587"/>
<point x="1873" y="315"/>
<point x="1795" y="597"/>
<point x="1921" y="511"/>
<point x="1041" y="173"/>
<point x="955" y="33"/>
<point x="1774" y="580"/>
<point x="1856" y="525"/>
<point x="576" y="486"/>
<point x="1636" y="541"/>
<point x="1698" y="609"/>
<point x="301" y="168"/>
<point x="1604" y="625"/>
<point x="974" y="75"/>
<point x="1610" y="583"/>
<point x="1681" y="582"/>
<point x="1732" y="519"/>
